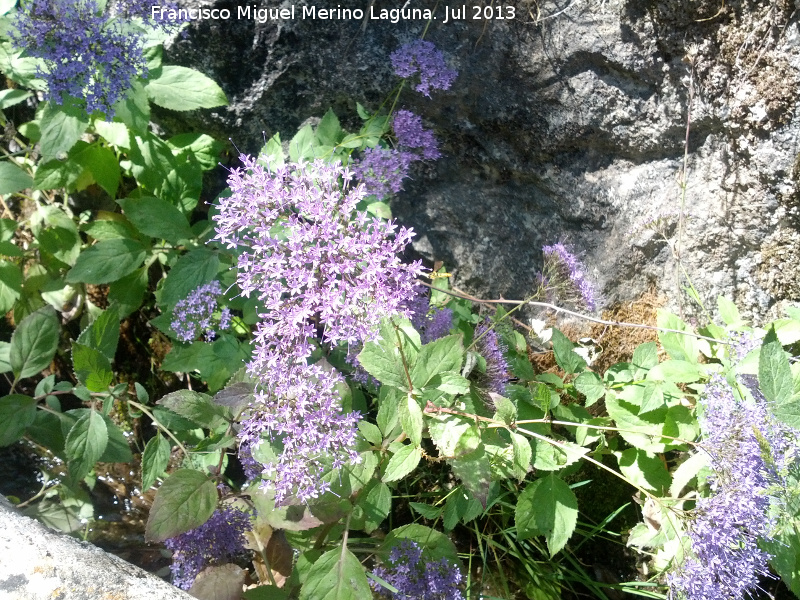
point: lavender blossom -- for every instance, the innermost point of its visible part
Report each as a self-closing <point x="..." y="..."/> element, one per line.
<point x="489" y="346"/>
<point x="437" y="325"/>
<point x="565" y="277"/>
<point x="412" y="135"/>
<point x="88" y="55"/>
<point x="327" y="274"/>
<point x="192" y="316"/>
<point x="749" y="450"/>
<point x="415" y="578"/>
<point x="422" y="57"/>
<point x="217" y="541"/>
<point x="382" y="170"/>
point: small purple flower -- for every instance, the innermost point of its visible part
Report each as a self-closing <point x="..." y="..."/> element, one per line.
<point x="437" y="325"/>
<point x="565" y="277"/>
<point x="422" y="57"/>
<point x="217" y="541"/>
<point x="412" y="135"/>
<point x="415" y="578"/>
<point x="489" y="346"/>
<point x="382" y="170"/>
<point x="192" y="316"/>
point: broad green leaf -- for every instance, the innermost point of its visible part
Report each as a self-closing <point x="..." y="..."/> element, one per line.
<point x="686" y="471"/>
<point x="155" y="459"/>
<point x="475" y="472"/>
<point x="102" y="164"/>
<point x="196" y="407"/>
<point x="85" y="444"/>
<point x="678" y="346"/>
<point x="17" y="412"/>
<point x="775" y="380"/>
<point x="644" y="469"/>
<point x="453" y="435"/>
<point x="547" y="507"/>
<point x="676" y="371"/>
<point x="34" y="342"/>
<point x="134" y="111"/>
<point x="10" y="285"/>
<point x="9" y="98"/>
<point x="435" y="545"/>
<point x="377" y="504"/>
<point x="329" y="132"/>
<point x="54" y="174"/>
<point x="127" y="293"/>
<point x="302" y="145"/>
<point x="103" y="333"/>
<point x="186" y="500"/>
<point x="107" y="261"/>
<point x="411" y="419"/>
<point x="336" y="575"/>
<point x="273" y="151"/>
<point x="152" y="161"/>
<point x="117" y="450"/>
<point x="382" y="359"/>
<point x="505" y="410"/>
<point x="91" y="367"/>
<point x="652" y="396"/>
<point x="450" y="383"/>
<point x="56" y="233"/>
<point x="181" y="88"/>
<point x="523" y="455"/>
<point x="116" y="134"/>
<point x="645" y="357"/>
<point x="444" y="355"/>
<point x="729" y="312"/>
<point x="157" y="218"/>
<point x="590" y="385"/>
<point x="61" y="126"/>
<point x="555" y="456"/>
<point x="370" y="432"/>
<point x="192" y="270"/>
<point x="380" y="209"/>
<point x="640" y="431"/>
<point x="202" y="147"/>
<point x="13" y="178"/>
<point x="402" y="463"/>
<point x="426" y="510"/>
<point x="565" y="355"/>
<point x="5" y="357"/>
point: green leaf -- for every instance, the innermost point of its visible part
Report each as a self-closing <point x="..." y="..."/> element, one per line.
<point x="329" y="132"/>
<point x="10" y="285"/>
<point x="157" y="218"/>
<point x="155" y="459"/>
<point x="92" y="369"/>
<point x="370" y="432"/>
<point x="117" y="450"/>
<point x="547" y="507"/>
<point x="435" y="545"/>
<point x="116" y="134"/>
<point x="85" y="444"/>
<point x="523" y="455"/>
<point x="134" y="111"/>
<point x="426" y="510"/>
<point x="382" y="358"/>
<point x="5" y="357"/>
<point x="55" y="174"/>
<point x="645" y="357"/>
<point x="450" y="383"/>
<point x="652" y="396"/>
<point x="196" y="407"/>
<point x="186" y="500"/>
<point x="402" y="463"/>
<point x="590" y="385"/>
<point x="549" y="456"/>
<point x="13" y="178"/>
<point x="34" y="342"/>
<point x="181" y="88"/>
<point x="644" y="469"/>
<point x="505" y="410"/>
<point x="202" y="147"/>
<point x="61" y="126"/>
<point x="453" y="435"/>
<point x="302" y="145"/>
<point x="377" y="504"/>
<point x="152" y="161"/>
<point x="192" y="270"/>
<point x="678" y="346"/>
<point x="336" y="575"/>
<point x="127" y="293"/>
<point x="640" y="431"/>
<point x="107" y="261"/>
<point x="57" y="233"/>
<point x="566" y="357"/>
<point x="475" y="472"/>
<point x="775" y="380"/>
<point x="102" y="164"/>
<point x="444" y="355"/>
<point x="103" y="333"/>
<point x="17" y="413"/>
<point x="380" y="210"/>
<point x="676" y="371"/>
<point x="9" y="98"/>
<point x="411" y="419"/>
<point x="729" y="312"/>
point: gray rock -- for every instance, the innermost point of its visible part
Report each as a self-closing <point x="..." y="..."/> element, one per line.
<point x="567" y="123"/>
<point x="37" y="563"/>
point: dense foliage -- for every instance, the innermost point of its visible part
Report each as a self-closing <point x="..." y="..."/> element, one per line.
<point x="342" y="420"/>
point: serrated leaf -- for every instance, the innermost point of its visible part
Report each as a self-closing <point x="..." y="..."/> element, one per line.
<point x="10" y="285"/>
<point x="301" y="146"/>
<point x="107" y="261"/>
<point x="505" y="410"/>
<point x="370" y="432"/>
<point x="435" y="545"/>
<point x="411" y="419"/>
<point x="116" y="134"/>
<point x="61" y="126"/>
<point x="523" y="455"/>
<point x="92" y="369"/>
<point x="155" y="459"/>
<point x="235" y="397"/>
<point x="652" y="396"/>
<point x="9" y="98"/>
<point x="475" y="473"/>
<point x="5" y="357"/>
<point x="157" y="218"/>
<point x="729" y="312"/>
<point x="186" y="500"/>
<point x="196" y="407"/>
<point x="775" y="381"/>
<point x="34" y="342"/>
<point x="377" y="504"/>
<point x="450" y="383"/>
<point x="686" y="471"/>
<point x="329" y="132"/>
<point x="676" y="371"/>
<point x="645" y="357"/>
<point x="13" y="178"/>
<point x="453" y="435"/>
<point x="403" y="462"/>
<point x="336" y="575"/>
<point x="678" y="346"/>
<point x="565" y="355"/>
<point x="102" y="164"/>
<point x="17" y="413"/>
<point x="85" y="443"/>
<point x="444" y="355"/>
<point x="181" y="88"/>
<point x="103" y="333"/>
<point x="547" y="507"/>
<point x="591" y="386"/>
<point x="426" y="510"/>
<point x="554" y="456"/>
<point x="192" y="270"/>
<point x="128" y="292"/>
<point x="644" y="469"/>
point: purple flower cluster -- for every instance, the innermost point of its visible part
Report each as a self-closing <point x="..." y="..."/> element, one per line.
<point x="217" y="541"/>
<point x="748" y="449"/>
<point x="383" y="170"/>
<point x="422" y="57"/>
<point x="192" y="316"/>
<point x="415" y="578"/>
<point x="326" y="274"/>
<point x="431" y="325"/>
<point x="564" y="277"/>
<point x="412" y="135"/>
<point x="489" y="346"/>
<point x="88" y="55"/>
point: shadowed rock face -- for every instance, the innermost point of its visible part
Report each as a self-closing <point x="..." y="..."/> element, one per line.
<point x="567" y="123"/>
